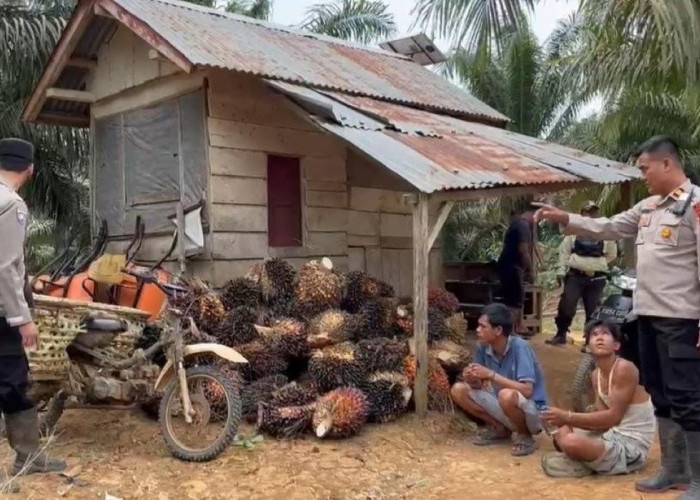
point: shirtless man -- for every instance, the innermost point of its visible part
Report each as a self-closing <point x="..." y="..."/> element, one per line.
<point x="616" y="437"/>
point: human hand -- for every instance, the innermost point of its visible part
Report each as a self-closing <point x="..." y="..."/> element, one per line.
<point x="30" y="336"/>
<point x="479" y="372"/>
<point x="552" y="214"/>
<point x="555" y="417"/>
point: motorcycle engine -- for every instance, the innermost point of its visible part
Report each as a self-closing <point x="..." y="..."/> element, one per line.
<point x="125" y="387"/>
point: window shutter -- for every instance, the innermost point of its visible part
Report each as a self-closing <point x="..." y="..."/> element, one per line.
<point x="284" y="202"/>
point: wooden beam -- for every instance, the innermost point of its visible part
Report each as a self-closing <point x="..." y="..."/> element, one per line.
<point x="65" y="47"/>
<point x="628" y="246"/>
<point x="70" y="95"/>
<point x="64" y="120"/>
<point x="437" y="227"/>
<point x="153" y="54"/>
<point x="420" y="300"/>
<point x="82" y="62"/>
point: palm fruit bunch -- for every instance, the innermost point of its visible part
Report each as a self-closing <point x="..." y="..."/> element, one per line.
<point x="457" y="328"/>
<point x="277" y="281"/>
<point x="328" y="328"/>
<point x="318" y="289"/>
<point x="286" y="336"/>
<point x="336" y="366"/>
<point x="214" y="392"/>
<point x="262" y="360"/>
<point x="241" y="292"/>
<point x="284" y="422"/>
<point x="294" y="394"/>
<point x="438" y="383"/>
<point x="261" y="390"/>
<point x="238" y="327"/>
<point x="388" y="394"/>
<point x="382" y="354"/>
<point x="452" y="357"/>
<point x="371" y="321"/>
<point x="207" y="309"/>
<point x="444" y="301"/>
<point x="360" y="287"/>
<point x="340" y="413"/>
<point x="437" y="328"/>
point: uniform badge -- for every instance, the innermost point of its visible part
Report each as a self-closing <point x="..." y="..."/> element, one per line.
<point x="666" y="233"/>
<point x="21" y="217"/>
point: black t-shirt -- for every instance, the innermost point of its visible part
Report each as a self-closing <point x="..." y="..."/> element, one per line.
<point x="518" y="232"/>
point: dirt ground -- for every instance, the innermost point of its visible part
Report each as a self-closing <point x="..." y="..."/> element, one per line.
<point x="123" y="455"/>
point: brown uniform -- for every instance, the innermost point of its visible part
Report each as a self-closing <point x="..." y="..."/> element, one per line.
<point x="667" y="297"/>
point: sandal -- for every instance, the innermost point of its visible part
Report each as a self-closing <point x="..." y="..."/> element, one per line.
<point x="489" y="436"/>
<point x="523" y="446"/>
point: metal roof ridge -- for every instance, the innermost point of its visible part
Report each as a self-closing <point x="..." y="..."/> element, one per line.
<point x="278" y="27"/>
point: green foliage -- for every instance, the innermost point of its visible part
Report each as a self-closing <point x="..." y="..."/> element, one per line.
<point x="364" y="21"/>
<point x="257" y="9"/>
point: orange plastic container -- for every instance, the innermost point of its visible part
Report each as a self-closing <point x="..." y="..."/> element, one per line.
<point x="143" y="296"/>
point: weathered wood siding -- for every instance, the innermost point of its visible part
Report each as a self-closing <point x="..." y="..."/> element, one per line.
<point x="247" y="121"/>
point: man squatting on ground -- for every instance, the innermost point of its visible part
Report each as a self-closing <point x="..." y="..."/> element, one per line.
<point x="667" y="299"/>
<point x="504" y="386"/>
<point x="583" y="270"/>
<point x="17" y="330"/>
<point x="616" y="437"/>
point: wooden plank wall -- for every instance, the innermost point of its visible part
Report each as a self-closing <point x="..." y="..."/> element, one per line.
<point x="247" y="121"/>
<point x="123" y="62"/>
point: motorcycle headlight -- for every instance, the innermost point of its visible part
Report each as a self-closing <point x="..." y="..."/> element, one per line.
<point x="624" y="282"/>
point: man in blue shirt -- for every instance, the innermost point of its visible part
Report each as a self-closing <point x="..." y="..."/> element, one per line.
<point x="504" y="387"/>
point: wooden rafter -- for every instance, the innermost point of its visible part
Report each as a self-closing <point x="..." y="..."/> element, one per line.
<point x="437" y="227"/>
<point x="82" y="62"/>
<point x="70" y="95"/>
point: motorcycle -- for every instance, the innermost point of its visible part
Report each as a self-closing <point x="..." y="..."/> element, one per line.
<point x="616" y="308"/>
<point x="200" y="408"/>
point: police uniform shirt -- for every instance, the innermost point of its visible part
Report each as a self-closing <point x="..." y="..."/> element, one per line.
<point x="13" y="223"/>
<point x="668" y="246"/>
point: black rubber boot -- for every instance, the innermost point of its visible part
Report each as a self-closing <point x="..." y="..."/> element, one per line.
<point x="674" y="474"/>
<point x="23" y="435"/>
<point x="692" y="443"/>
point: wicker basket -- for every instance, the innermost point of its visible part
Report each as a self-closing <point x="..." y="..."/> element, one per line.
<point x="61" y="320"/>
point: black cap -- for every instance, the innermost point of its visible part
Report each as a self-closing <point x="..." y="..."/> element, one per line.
<point x="16" y="154"/>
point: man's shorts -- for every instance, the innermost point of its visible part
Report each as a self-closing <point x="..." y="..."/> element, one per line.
<point x="623" y="455"/>
<point x="489" y="402"/>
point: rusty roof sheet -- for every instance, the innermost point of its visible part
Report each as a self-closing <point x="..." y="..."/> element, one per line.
<point x="436" y="152"/>
<point x="207" y="37"/>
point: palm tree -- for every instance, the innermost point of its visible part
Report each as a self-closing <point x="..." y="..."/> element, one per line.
<point x="257" y="9"/>
<point x="364" y="21"/>
<point x="57" y="196"/>
<point x="472" y="24"/>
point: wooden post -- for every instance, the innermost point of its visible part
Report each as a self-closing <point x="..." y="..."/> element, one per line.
<point x="420" y="298"/>
<point x="628" y="247"/>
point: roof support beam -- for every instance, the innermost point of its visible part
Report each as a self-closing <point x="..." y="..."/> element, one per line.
<point x="70" y="95"/>
<point x="421" y="250"/>
<point x="437" y="227"/>
<point x="66" y="45"/>
<point x="65" y="120"/>
<point x="81" y="62"/>
<point x="479" y="194"/>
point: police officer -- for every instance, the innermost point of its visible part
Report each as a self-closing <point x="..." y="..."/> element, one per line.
<point x="17" y="330"/>
<point x="584" y="265"/>
<point x="667" y="299"/>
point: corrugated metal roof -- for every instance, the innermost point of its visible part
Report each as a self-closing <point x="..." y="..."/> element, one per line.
<point x="208" y="37"/>
<point x="436" y="152"/>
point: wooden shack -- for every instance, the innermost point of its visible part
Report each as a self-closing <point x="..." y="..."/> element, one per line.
<point x="297" y="145"/>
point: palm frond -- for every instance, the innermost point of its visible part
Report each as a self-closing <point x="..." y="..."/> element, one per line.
<point x="364" y="21"/>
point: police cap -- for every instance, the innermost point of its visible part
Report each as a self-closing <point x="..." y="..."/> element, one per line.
<point x="16" y="154"/>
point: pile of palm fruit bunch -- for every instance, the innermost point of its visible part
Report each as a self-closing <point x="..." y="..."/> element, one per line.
<point x="327" y="351"/>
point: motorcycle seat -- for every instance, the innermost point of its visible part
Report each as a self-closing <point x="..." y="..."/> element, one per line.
<point x="106" y="325"/>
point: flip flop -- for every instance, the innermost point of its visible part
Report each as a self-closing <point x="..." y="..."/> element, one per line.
<point x="488" y="437"/>
<point x="524" y="446"/>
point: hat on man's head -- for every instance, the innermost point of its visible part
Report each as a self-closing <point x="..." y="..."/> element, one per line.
<point x="589" y="205"/>
<point x="16" y="154"/>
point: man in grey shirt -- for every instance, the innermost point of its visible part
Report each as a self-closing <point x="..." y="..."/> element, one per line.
<point x="667" y="299"/>
<point x="18" y="332"/>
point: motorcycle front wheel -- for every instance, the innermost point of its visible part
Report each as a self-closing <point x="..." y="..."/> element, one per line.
<point x="581" y="392"/>
<point x="217" y="415"/>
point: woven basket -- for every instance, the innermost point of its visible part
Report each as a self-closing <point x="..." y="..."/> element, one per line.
<point x="61" y="320"/>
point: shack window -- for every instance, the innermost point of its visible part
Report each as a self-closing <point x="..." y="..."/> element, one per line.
<point x="284" y="202"/>
<point x="147" y="161"/>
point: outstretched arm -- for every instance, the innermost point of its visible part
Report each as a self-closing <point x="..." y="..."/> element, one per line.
<point x="622" y="225"/>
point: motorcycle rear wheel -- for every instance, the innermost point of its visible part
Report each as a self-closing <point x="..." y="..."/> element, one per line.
<point x="581" y="395"/>
<point x="169" y="406"/>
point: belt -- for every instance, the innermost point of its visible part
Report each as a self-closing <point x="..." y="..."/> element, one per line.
<point x="588" y="274"/>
